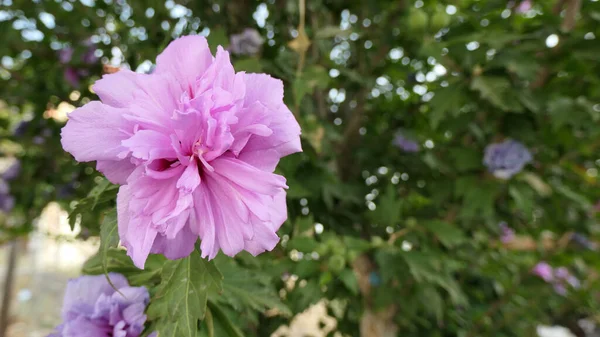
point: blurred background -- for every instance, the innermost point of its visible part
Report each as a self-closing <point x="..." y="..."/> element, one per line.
<point x="448" y="184"/>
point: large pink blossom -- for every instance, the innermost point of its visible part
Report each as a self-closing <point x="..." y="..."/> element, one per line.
<point x="194" y="146"/>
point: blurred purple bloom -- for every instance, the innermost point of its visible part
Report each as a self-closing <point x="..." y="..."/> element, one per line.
<point x="247" y="42"/>
<point x="93" y="308"/>
<point x="544" y="271"/>
<point x="506" y="159"/>
<point x="563" y="274"/>
<point x="65" y="55"/>
<point x="71" y="76"/>
<point x="7" y="201"/>
<point x="508" y="234"/>
<point x="21" y="128"/>
<point x="583" y="241"/>
<point x="524" y="6"/>
<point x="405" y="144"/>
<point x="39" y="140"/>
<point x="560" y="289"/>
<point x="89" y="57"/>
<point x="12" y="171"/>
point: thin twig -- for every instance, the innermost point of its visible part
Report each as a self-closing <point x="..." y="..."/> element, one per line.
<point x="8" y="288"/>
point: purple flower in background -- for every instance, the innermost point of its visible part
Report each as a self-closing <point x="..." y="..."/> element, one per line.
<point x="7" y="201"/>
<point x="71" y="76"/>
<point x="508" y="234"/>
<point x="93" y="308"/>
<point x="406" y="144"/>
<point x="89" y="57"/>
<point x="506" y="159"/>
<point x="560" y="288"/>
<point x="563" y="274"/>
<point x="544" y="270"/>
<point x="21" y="128"/>
<point x="12" y="171"/>
<point x="524" y="6"/>
<point x="65" y="55"/>
<point x="247" y="42"/>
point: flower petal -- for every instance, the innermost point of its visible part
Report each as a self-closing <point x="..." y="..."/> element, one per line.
<point x="187" y="58"/>
<point x="95" y="132"/>
<point x="116" y="171"/>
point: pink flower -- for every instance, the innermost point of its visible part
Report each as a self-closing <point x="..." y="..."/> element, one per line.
<point x="194" y="145"/>
<point x="508" y="234"/>
<point x="544" y="271"/>
<point x="524" y="6"/>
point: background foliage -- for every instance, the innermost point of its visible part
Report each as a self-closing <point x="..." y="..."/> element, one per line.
<point x="407" y="241"/>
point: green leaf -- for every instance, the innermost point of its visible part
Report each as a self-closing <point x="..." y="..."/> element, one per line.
<point x="331" y="31"/>
<point x="103" y="192"/>
<point x="302" y="243"/>
<point x="180" y="301"/>
<point x="248" y="289"/>
<point x="537" y="184"/>
<point x="314" y="76"/>
<point x="523" y="197"/>
<point x="579" y="200"/>
<point x="218" y="37"/>
<point x="109" y="238"/>
<point x="447" y="233"/>
<point x="210" y="325"/>
<point x="222" y="320"/>
<point x="388" y="209"/>
<point x="116" y="260"/>
<point x="447" y="101"/>
<point x="435" y="303"/>
<point x="492" y="89"/>
<point x="349" y="280"/>
<point x="249" y="65"/>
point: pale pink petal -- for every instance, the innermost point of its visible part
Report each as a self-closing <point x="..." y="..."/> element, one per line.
<point x="248" y="177"/>
<point x="150" y="145"/>
<point x="186" y="58"/>
<point x="265" y="239"/>
<point x="116" y="171"/>
<point x="203" y="222"/>
<point x="119" y="89"/>
<point x="179" y="247"/>
<point x="95" y="132"/>
<point x="135" y="233"/>
<point x="286" y="131"/>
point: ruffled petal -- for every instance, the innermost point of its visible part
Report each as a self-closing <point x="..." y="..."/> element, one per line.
<point x="95" y="132"/>
<point x="286" y="130"/>
<point x="135" y="232"/>
<point x="116" y="171"/>
<point x="187" y="58"/>
<point x="82" y="293"/>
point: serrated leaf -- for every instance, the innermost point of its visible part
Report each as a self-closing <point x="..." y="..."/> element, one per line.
<point x="388" y="209"/>
<point x="180" y="301"/>
<point x="221" y="319"/>
<point x="448" y="234"/>
<point x="492" y="89"/>
<point x="349" y="280"/>
<point x="245" y="289"/>
<point x="116" y="260"/>
<point x="331" y="31"/>
<point x="446" y="102"/>
<point x="109" y="238"/>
